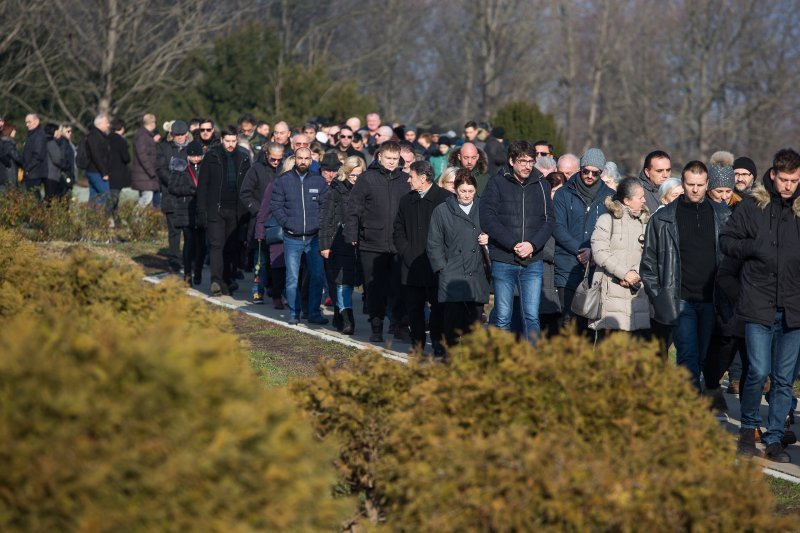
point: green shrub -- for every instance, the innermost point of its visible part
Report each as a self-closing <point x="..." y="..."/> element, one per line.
<point x="129" y="407"/>
<point x="524" y="120"/>
<point x="511" y="437"/>
<point x="65" y="220"/>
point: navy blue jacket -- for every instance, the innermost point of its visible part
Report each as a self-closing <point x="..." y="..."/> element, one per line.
<point x="296" y="203"/>
<point x="575" y="223"/>
<point x="513" y="212"/>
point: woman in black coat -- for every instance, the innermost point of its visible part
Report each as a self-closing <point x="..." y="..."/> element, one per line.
<point x="10" y="158"/>
<point x="455" y="249"/>
<point x="183" y="188"/>
<point x="341" y="258"/>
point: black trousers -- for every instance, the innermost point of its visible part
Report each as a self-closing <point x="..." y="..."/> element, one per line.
<point x="194" y="251"/>
<point x="415" y="298"/>
<point x="174" y="246"/>
<point x="721" y="351"/>
<point x="565" y="297"/>
<point x="53" y="189"/>
<point x="663" y="334"/>
<point x="223" y="241"/>
<point x="382" y="282"/>
<point x="459" y="317"/>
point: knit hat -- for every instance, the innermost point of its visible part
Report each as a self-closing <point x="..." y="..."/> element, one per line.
<point x="720" y="177"/>
<point x="593" y="157"/>
<point x="498" y="132"/>
<point x="747" y="164"/>
<point x="194" y="148"/>
<point x="444" y="139"/>
<point x="330" y="162"/>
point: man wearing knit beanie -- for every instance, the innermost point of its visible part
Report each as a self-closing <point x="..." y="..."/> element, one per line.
<point x="744" y="173"/>
<point x="578" y="205"/>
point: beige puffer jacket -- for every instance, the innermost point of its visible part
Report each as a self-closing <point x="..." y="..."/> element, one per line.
<point x="617" y="249"/>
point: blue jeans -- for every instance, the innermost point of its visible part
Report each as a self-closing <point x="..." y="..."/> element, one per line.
<point x="528" y="281"/>
<point x="98" y="187"/>
<point x="344" y="296"/>
<point x="772" y="351"/>
<point x="293" y="250"/>
<point x="692" y="335"/>
<point x="260" y="259"/>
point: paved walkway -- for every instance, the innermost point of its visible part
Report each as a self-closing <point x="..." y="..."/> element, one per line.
<point x="398" y="351"/>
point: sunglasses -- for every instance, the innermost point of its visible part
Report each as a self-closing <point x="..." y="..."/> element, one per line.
<point x="543" y="154"/>
<point x="345" y="136"/>
<point x="594" y="173"/>
<point x="275" y="159"/>
<point x="206" y="129"/>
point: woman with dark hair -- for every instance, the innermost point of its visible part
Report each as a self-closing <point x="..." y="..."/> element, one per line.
<point x="455" y="242"/>
<point x="617" y="250"/>
<point x="53" y="185"/>
<point x="10" y="159"/>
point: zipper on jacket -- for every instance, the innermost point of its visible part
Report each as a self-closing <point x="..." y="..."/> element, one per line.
<point x="544" y="200"/>
<point x="303" y="202"/>
<point x="523" y="213"/>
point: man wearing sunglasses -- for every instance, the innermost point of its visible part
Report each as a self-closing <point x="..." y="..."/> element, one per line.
<point x="344" y="144"/>
<point x="578" y="205"/>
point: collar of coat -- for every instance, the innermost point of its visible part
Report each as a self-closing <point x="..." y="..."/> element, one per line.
<point x="763" y="198"/>
<point x="617" y="209"/>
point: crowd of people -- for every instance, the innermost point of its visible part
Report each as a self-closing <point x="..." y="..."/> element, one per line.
<point x="431" y="224"/>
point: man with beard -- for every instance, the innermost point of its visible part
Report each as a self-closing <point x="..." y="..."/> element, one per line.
<point x="208" y="137"/>
<point x="744" y="174"/>
<point x="219" y="209"/>
<point x="297" y="199"/>
<point x="263" y="172"/>
<point x="472" y="159"/>
<point x="657" y="168"/>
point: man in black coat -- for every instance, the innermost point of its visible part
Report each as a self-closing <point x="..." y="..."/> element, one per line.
<point x="410" y="238"/>
<point x="371" y="210"/>
<point x="496" y="150"/>
<point x="34" y="154"/>
<point x="263" y="172"/>
<point x="119" y="175"/>
<point x="764" y="233"/>
<point x="170" y="156"/>
<point x="219" y="208"/>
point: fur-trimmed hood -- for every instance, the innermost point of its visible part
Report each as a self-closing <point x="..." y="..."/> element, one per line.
<point x="616" y="209"/>
<point x="763" y="192"/>
<point x="481" y="168"/>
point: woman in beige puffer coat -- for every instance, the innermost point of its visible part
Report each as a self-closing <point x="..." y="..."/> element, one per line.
<point x="617" y="243"/>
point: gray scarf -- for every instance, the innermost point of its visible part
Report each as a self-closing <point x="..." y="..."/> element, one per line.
<point x="586" y="192"/>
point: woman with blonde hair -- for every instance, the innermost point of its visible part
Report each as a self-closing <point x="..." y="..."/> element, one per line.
<point x="341" y="258"/>
<point x="447" y="179"/>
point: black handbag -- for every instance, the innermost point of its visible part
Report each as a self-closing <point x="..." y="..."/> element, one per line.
<point x="273" y="233"/>
<point x="587" y="301"/>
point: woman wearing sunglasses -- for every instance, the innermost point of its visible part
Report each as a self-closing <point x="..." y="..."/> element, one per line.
<point x="617" y="243"/>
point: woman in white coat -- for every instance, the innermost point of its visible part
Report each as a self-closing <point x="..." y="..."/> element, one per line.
<point x="617" y="243"/>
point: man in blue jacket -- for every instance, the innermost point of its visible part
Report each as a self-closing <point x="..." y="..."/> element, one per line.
<point x="578" y="205"/>
<point x="517" y="214"/>
<point x="297" y="199"/>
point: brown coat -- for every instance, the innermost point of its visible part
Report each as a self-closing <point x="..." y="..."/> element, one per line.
<point x="143" y="177"/>
<point x="617" y="249"/>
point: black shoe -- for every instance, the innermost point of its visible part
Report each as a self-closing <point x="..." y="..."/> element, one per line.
<point x="401" y="334"/>
<point x="747" y="442"/>
<point x="338" y="321"/>
<point x="198" y="279"/>
<point x="788" y="438"/>
<point x="348" y="323"/>
<point x="232" y="286"/>
<point x="776" y="453"/>
<point x="320" y="320"/>
<point x="377" y="330"/>
<point x="239" y="274"/>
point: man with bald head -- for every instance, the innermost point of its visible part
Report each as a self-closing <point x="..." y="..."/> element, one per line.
<point x="354" y="123"/>
<point x="34" y="154"/>
<point x="297" y="199"/>
<point x="280" y="134"/>
<point x="474" y="160"/>
<point x="568" y="164"/>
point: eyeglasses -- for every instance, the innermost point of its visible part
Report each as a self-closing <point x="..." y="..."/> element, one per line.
<point x="206" y="129"/>
<point x="742" y="174"/>
<point x="594" y="173"/>
<point x="274" y="159"/>
<point x="345" y="136"/>
<point x="353" y="175"/>
<point x="525" y="162"/>
<point x="543" y="154"/>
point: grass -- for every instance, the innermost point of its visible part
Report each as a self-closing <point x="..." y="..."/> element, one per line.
<point x="787" y="495"/>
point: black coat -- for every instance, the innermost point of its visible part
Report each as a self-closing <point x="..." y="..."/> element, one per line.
<point x="169" y="157"/>
<point x="99" y="152"/>
<point x="119" y="174"/>
<point x="211" y="181"/>
<point x="411" y="235"/>
<point x="342" y="264"/>
<point x="10" y="161"/>
<point x="183" y="189"/>
<point x="660" y="268"/>
<point x="764" y="233"/>
<point x="255" y="183"/>
<point x="34" y="155"/>
<point x="496" y="154"/>
<point x="514" y="212"/>
<point x="372" y="208"/>
<point x="455" y="255"/>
